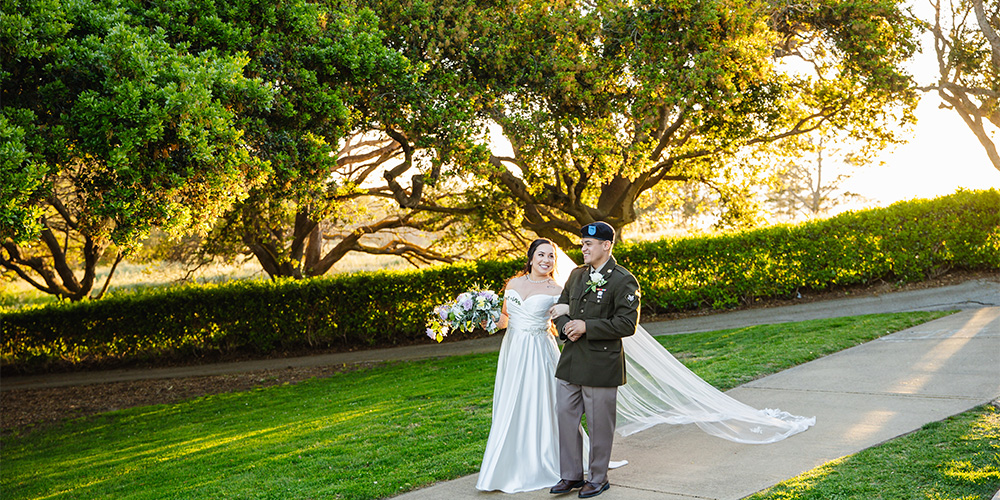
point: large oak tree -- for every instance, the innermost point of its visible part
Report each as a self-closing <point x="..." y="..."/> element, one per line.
<point x="356" y="141"/>
<point x="112" y="130"/>
<point x="603" y="101"/>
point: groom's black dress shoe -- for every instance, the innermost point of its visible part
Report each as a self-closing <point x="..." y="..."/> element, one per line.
<point x="566" y="486"/>
<point x="593" y="489"/>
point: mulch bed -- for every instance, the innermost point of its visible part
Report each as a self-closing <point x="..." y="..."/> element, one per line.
<point x="25" y="410"/>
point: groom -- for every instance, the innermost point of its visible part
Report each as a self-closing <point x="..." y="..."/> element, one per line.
<point x="603" y="300"/>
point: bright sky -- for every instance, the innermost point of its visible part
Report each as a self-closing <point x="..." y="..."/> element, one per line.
<point x="941" y="156"/>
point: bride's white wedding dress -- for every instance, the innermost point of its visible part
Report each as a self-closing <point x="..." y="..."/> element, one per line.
<point x="522" y="453"/>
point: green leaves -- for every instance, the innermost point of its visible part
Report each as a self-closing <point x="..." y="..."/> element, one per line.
<point x="360" y="310"/>
<point x="21" y="181"/>
<point x="601" y="104"/>
<point x="138" y="118"/>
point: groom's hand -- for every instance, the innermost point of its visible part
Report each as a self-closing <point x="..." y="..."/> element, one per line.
<point x="575" y="329"/>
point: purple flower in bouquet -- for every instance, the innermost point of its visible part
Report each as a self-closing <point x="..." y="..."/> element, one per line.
<point x="466" y="303"/>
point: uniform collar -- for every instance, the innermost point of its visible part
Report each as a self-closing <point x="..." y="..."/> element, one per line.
<point x="605" y="268"/>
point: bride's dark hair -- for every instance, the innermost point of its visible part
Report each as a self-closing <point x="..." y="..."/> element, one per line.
<point x="531" y="251"/>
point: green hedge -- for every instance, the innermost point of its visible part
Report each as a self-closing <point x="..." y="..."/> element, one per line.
<point x="907" y="241"/>
<point x="353" y="311"/>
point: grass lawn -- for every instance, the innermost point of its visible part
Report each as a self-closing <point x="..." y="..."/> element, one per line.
<point x="957" y="458"/>
<point x="359" y="435"/>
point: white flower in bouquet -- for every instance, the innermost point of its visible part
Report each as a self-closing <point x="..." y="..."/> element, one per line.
<point x="472" y="309"/>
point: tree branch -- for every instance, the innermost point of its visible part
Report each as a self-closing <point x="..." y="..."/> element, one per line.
<point x="352" y="242"/>
<point x="391" y="149"/>
<point x="799" y="128"/>
<point x="59" y="259"/>
<point x="34" y="264"/>
<point x="63" y="212"/>
<point x="516" y="185"/>
<point x="107" y="281"/>
<point x="417" y="180"/>
<point x="988" y="32"/>
<point x="668" y="132"/>
<point x="973" y="119"/>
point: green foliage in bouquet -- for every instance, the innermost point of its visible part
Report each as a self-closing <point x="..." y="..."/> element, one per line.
<point x="477" y="308"/>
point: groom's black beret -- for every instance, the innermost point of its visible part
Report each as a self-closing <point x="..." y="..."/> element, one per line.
<point x="599" y="231"/>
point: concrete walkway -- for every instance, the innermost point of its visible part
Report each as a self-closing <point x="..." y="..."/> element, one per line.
<point x="861" y="397"/>
<point x="971" y="294"/>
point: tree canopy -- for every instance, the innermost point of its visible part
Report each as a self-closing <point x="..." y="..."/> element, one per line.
<point x="299" y="131"/>
<point x="605" y="101"/>
<point x="326" y="65"/>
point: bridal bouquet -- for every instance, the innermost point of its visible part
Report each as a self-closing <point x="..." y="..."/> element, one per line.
<point x="475" y="308"/>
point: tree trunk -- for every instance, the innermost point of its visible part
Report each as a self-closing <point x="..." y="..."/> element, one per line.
<point x="988" y="32"/>
<point x="973" y="118"/>
<point x="265" y="255"/>
<point x="314" y="251"/>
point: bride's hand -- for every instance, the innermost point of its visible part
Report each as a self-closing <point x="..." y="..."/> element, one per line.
<point x="558" y="310"/>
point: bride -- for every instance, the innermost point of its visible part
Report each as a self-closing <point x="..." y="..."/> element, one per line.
<point x="522" y="452"/>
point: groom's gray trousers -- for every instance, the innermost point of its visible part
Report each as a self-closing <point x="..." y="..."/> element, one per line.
<point x="599" y="404"/>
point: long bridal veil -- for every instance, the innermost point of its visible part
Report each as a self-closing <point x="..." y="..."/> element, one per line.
<point x="662" y="390"/>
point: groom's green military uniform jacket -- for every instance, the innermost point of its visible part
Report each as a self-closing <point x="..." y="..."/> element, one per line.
<point x="611" y="312"/>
